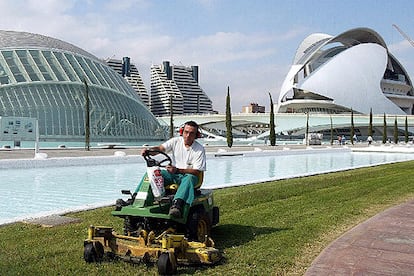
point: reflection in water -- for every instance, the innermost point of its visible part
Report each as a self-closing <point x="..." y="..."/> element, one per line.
<point x="228" y="171"/>
<point x="263" y="168"/>
<point x="272" y="167"/>
<point x="30" y="192"/>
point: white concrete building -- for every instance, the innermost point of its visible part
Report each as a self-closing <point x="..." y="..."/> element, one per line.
<point x="179" y="86"/>
<point x="353" y="70"/>
<point x="130" y="73"/>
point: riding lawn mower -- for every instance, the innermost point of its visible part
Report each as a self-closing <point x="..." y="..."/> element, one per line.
<point x="150" y="234"/>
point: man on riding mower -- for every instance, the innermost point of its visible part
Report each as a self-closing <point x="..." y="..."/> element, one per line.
<point x="188" y="165"/>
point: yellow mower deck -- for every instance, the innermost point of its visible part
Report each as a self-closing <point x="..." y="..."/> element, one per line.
<point x="168" y="249"/>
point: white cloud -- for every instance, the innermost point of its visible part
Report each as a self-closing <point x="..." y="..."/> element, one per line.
<point x="246" y="62"/>
<point x="400" y="46"/>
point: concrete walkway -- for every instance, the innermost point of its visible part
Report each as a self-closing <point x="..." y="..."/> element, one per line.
<point x="80" y="152"/>
<point x="382" y="245"/>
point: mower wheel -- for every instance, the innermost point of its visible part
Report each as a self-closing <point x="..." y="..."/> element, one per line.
<point x="199" y="226"/>
<point x="93" y="252"/>
<point x="166" y="266"/>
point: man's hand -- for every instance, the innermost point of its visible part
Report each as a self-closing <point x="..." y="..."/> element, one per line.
<point x="156" y="148"/>
<point x="172" y="169"/>
<point x="144" y="152"/>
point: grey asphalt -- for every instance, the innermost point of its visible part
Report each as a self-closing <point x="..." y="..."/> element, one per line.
<point x="382" y="245"/>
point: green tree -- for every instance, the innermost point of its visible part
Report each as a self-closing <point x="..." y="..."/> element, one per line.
<point x="87" y="117"/>
<point x="352" y="127"/>
<point x="272" y="135"/>
<point x="395" y="131"/>
<point x="370" y="123"/>
<point x="171" y="117"/>
<point x="384" y="131"/>
<point x="406" y="130"/>
<point x="229" y="127"/>
<point x="307" y="129"/>
<point x="331" y="130"/>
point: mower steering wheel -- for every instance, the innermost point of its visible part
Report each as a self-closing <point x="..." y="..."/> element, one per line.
<point x="151" y="162"/>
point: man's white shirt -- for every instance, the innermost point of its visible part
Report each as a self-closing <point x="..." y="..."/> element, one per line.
<point x="193" y="157"/>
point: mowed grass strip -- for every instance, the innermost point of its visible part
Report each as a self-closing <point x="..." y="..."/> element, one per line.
<point x="273" y="228"/>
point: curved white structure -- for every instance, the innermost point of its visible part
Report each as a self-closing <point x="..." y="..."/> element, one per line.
<point x="353" y="70"/>
<point x="44" y="78"/>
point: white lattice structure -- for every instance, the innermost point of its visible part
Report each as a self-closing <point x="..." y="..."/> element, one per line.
<point x="44" y="78"/>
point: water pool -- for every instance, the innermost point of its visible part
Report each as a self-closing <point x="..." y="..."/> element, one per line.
<point x="35" y="192"/>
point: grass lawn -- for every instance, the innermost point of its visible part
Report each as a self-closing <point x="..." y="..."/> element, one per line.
<point x="273" y="228"/>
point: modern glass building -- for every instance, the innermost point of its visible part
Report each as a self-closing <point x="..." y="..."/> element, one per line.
<point x="46" y="78"/>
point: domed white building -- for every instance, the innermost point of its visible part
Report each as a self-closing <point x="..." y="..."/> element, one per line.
<point x="353" y="70"/>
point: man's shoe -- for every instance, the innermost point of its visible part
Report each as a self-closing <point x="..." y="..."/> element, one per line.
<point x="176" y="208"/>
<point x="175" y="212"/>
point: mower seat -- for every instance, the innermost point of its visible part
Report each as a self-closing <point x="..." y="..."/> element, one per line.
<point x="200" y="180"/>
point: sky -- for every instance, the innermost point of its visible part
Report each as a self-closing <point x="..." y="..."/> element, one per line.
<point x="245" y="45"/>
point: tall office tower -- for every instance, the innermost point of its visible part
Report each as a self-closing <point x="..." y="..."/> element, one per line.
<point x="177" y="86"/>
<point x="130" y="73"/>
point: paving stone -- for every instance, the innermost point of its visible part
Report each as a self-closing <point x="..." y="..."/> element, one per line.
<point x="382" y="245"/>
